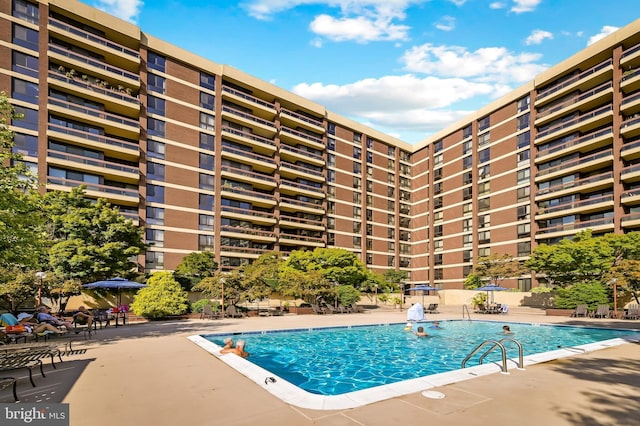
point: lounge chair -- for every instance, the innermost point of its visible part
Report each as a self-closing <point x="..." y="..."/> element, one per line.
<point x="5" y="382"/>
<point x="480" y="309"/>
<point x="633" y="312"/>
<point x="602" y="311"/>
<point x="431" y="309"/>
<point x="207" y="313"/>
<point x="318" y="310"/>
<point x="581" y="311"/>
<point x="232" y="312"/>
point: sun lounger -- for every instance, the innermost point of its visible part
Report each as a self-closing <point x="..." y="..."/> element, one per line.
<point x="5" y="382"/>
<point x="633" y="312"/>
<point x="431" y="309"/>
<point x="602" y="311"/>
<point x="581" y="311"/>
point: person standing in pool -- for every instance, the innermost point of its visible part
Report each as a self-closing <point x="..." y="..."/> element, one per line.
<point x="421" y="333"/>
<point x="506" y="329"/>
<point x="228" y="345"/>
<point x="435" y="325"/>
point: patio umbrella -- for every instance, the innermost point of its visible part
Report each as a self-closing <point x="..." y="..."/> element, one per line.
<point x="115" y="283"/>
<point x="423" y="288"/>
<point x="491" y="288"/>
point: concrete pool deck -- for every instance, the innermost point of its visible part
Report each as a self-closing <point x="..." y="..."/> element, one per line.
<point x="150" y="373"/>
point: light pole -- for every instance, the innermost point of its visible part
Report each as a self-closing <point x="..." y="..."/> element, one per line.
<point x="376" y="288"/>
<point x="41" y="276"/>
<point x="614" y="281"/>
<point x="222" y="284"/>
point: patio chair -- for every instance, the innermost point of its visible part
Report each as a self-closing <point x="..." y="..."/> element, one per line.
<point x="581" y="311"/>
<point x="602" y="311"/>
<point x="633" y="312"/>
<point x="431" y="309"/>
<point x="207" y="313"/>
<point x="317" y="309"/>
<point x="232" y="312"/>
<point x="480" y="309"/>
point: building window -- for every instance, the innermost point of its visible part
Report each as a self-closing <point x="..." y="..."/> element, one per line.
<point x="25" y="37"/>
<point x="331" y="160"/>
<point x="524" y="139"/>
<point x="369" y="259"/>
<point x="155" y="105"/>
<point x="205" y="222"/>
<point x="155" y="171"/>
<point x="437" y="174"/>
<point x="467" y="131"/>
<point x="154" y="260"/>
<point x="438" y="244"/>
<point x="25" y="144"/>
<point x="484" y="205"/>
<point x="155" y="83"/>
<point x="484" y="187"/>
<point x="467" y="225"/>
<point x="484" y="155"/>
<point x="437" y="188"/>
<point x="523" y="104"/>
<point x="155" y="127"/>
<point x="523" y="175"/>
<point x="467" y="178"/>
<point x="357" y="242"/>
<point x="26" y="11"/>
<point x="357" y="152"/>
<point x="467" y="193"/>
<point x="523" y="156"/>
<point x="484" y="123"/>
<point x="207" y="101"/>
<point x="206" y="181"/>
<point x="207" y="121"/>
<point x="331" y="129"/>
<point x="357" y="138"/>
<point x="357" y="212"/>
<point x="484" y="139"/>
<point x="207" y="141"/>
<point x="155" y="216"/>
<point x="438" y="274"/>
<point x="467" y="240"/>
<point x="467" y="208"/>
<point x="207" y="81"/>
<point x="467" y="162"/>
<point x="206" y="161"/>
<point x="357" y="182"/>
<point x="523" y="193"/>
<point x="391" y="219"/>
<point x="205" y="242"/>
<point x="524" y="212"/>
<point x="484" y="221"/>
<point x="369" y="186"/>
<point x="467" y="256"/>
<point x="437" y="159"/>
<point x="155" y="237"/>
<point x="484" y="237"/>
<point x="438" y="216"/>
<point x="205" y="202"/>
<point x="25" y="91"/>
<point x="437" y="203"/>
<point x="29" y="119"/>
<point x="357" y="168"/>
<point x="369" y="243"/>
<point x="155" y="194"/>
<point x="369" y="214"/>
<point x="437" y="146"/>
<point x="523" y="121"/>
<point x="484" y="172"/>
<point x="156" y="62"/>
<point x="437" y="259"/>
<point x="437" y="231"/>
<point x="25" y="64"/>
<point x="524" y="230"/>
<point x="524" y="248"/>
<point x="467" y="147"/>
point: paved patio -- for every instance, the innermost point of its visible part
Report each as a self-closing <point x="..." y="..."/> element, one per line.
<point x="150" y="373"/>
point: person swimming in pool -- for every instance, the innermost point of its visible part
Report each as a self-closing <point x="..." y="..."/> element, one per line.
<point x="506" y="329"/>
<point x="408" y="327"/>
<point x="228" y="345"/>
<point x="421" y="332"/>
<point x="435" y="325"/>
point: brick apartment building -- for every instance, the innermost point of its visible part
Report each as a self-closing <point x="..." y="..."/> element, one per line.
<point x="207" y="157"/>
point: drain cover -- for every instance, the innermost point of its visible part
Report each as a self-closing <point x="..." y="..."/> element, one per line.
<point x="433" y="394"/>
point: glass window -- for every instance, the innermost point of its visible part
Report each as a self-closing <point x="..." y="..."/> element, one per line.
<point x="155" y="237"/>
<point x="331" y="129"/>
<point x="155" y="215"/>
<point x="524" y="230"/>
<point x="207" y="121"/>
<point x="25" y="37"/>
<point x="467" y="131"/>
<point x="155" y="127"/>
<point x="523" y="156"/>
<point x="206" y="161"/>
<point x="156" y="62"/>
<point x="25" y="144"/>
<point x="523" y="104"/>
<point x="25" y="64"/>
<point x="206" y="181"/>
<point x="524" y="248"/>
<point x="467" y="146"/>
<point x="523" y="212"/>
<point x="207" y="81"/>
<point x="155" y="194"/>
<point x="205" y="222"/>
<point x="484" y="155"/>
<point x="484" y="204"/>
<point x="155" y="105"/>
<point x="205" y="242"/>
<point x="205" y="202"/>
<point x="155" y="149"/>
<point x="484" y="123"/>
<point x="437" y="146"/>
<point x="155" y="83"/>
<point x="26" y="11"/>
<point x="523" y="139"/>
<point x="484" y="139"/>
<point x="523" y="175"/>
<point x="155" y="171"/>
<point x="25" y="91"/>
<point x="467" y="162"/>
<point x="523" y="121"/>
<point x="331" y="144"/>
<point x="523" y="193"/>
<point x="207" y="100"/>
<point x="154" y="260"/>
<point x="357" y="153"/>
<point x="207" y="141"/>
<point x="29" y="118"/>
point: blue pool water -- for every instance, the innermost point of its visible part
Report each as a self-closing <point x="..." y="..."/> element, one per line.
<point x="337" y="360"/>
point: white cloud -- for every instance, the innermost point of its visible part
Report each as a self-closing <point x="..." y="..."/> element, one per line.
<point x="458" y="2"/>
<point x="359" y="29"/>
<point x="537" y="37"/>
<point x="521" y="6"/>
<point x="123" y="9"/>
<point x="605" y="31"/>
<point x="447" y="23"/>
<point x="497" y="5"/>
<point x="489" y="64"/>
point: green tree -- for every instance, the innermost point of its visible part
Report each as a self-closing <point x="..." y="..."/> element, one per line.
<point x="16" y="288"/>
<point x="91" y="241"/>
<point x="590" y="293"/>
<point x="627" y="272"/>
<point x="162" y="297"/>
<point x="472" y="281"/>
<point x="395" y="279"/>
<point x="231" y="285"/>
<point x="262" y="276"/>
<point x="336" y="265"/>
<point x="195" y="267"/>
<point x="496" y="268"/>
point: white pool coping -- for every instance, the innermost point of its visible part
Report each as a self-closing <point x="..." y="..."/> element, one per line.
<point x="293" y="395"/>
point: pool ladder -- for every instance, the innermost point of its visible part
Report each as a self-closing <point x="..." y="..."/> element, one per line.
<point x="503" y="350"/>
<point x="466" y="309"/>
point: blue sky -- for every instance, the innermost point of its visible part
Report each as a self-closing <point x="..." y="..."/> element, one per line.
<point x="405" y="67"/>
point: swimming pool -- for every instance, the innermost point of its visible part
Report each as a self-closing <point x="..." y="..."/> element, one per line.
<point x="362" y="361"/>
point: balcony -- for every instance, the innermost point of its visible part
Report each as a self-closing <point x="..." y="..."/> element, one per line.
<point x="299" y="222"/>
<point x="300" y="240"/>
<point x="630" y="54"/>
<point x="583" y="102"/>
<point x="259" y="107"/>
<point x="630" y="150"/>
<point x="258" y="125"/>
<point x="258" y="143"/>
<point x="116" y="51"/>
<point x="111" y="146"/>
<point x="291" y="187"/>
<point x="630" y="173"/>
<point x="258" y="161"/>
<point x="232" y="251"/>
<point x="293" y="205"/>
<point x="296" y="170"/>
<point x="255" y="216"/>
<point x="129" y="197"/>
<point x="289" y="152"/>
<point x="582" y="123"/>
<point x="253" y="197"/>
<point x="584" y="143"/>
<point x="258" y="180"/>
<point x="582" y="164"/>
<point x="630" y="104"/>
<point x="110" y="170"/>
<point x="630" y="81"/>
<point x="597" y="225"/>
<point x="583" y="81"/>
<point x="295" y="137"/>
<point x="90" y="65"/>
<point x="631" y="197"/>
<point x="294" y="120"/>
<point x="631" y="126"/>
<point x="247" y="233"/>
<point x="630" y="220"/>
<point x="584" y="186"/>
<point x="577" y="207"/>
<point x="119" y="102"/>
<point x="112" y="123"/>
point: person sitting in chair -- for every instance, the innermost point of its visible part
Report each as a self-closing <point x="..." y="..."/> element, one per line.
<point x="83" y="316"/>
<point x="32" y="327"/>
<point x="44" y="316"/>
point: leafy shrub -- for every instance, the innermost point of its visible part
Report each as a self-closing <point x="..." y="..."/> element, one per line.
<point x="592" y="294"/>
<point x="348" y="295"/>
<point x="479" y="299"/>
<point x="198" y="305"/>
<point x="162" y="297"/>
<point x="538" y="290"/>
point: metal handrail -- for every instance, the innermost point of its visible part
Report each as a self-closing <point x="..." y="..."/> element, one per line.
<point x="466" y="309"/>
<point x="520" y="352"/>
<point x="495" y="344"/>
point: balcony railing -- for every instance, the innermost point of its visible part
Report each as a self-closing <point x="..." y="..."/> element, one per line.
<point x="301" y="152"/>
<point x="312" y="205"/>
<point x="580" y="119"/>
<point x="303" y="169"/>
<point x="576" y="183"/>
<point x="92" y="162"/>
<point x="629" y="99"/>
<point x="93" y="62"/>
<point x="576" y="162"/>
<point x="577" y="225"/>
<point x="248" y="97"/>
<point x="94" y="38"/>
<point x="578" y="77"/>
<point x="245" y="212"/>
<point x="301" y="186"/>
<point x="248" y="250"/>
<point x="248" y="231"/>
<point x="630" y="169"/>
<point x="247" y="154"/>
<point x="543" y="112"/>
<point x="630" y="74"/>
<point x="93" y="137"/>
<point x="95" y="113"/>
<point x="301" y="220"/>
<point x="93" y="187"/>
<point x="575" y="204"/>
<point x="301" y="117"/>
<point x="250" y="136"/>
<point x="630" y="193"/>
<point x="630" y="146"/>
<point x="301" y="238"/>
<point x="576" y="141"/>
<point x="94" y="88"/>
<point x="630" y="51"/>
<point x="248" y="116"/>
<point x="254" y="175"/>
<point x="301" y="135"/>
<point x="630" y="217"/>
<point x="246" y="192"/>
<point x="631" y="122"/>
